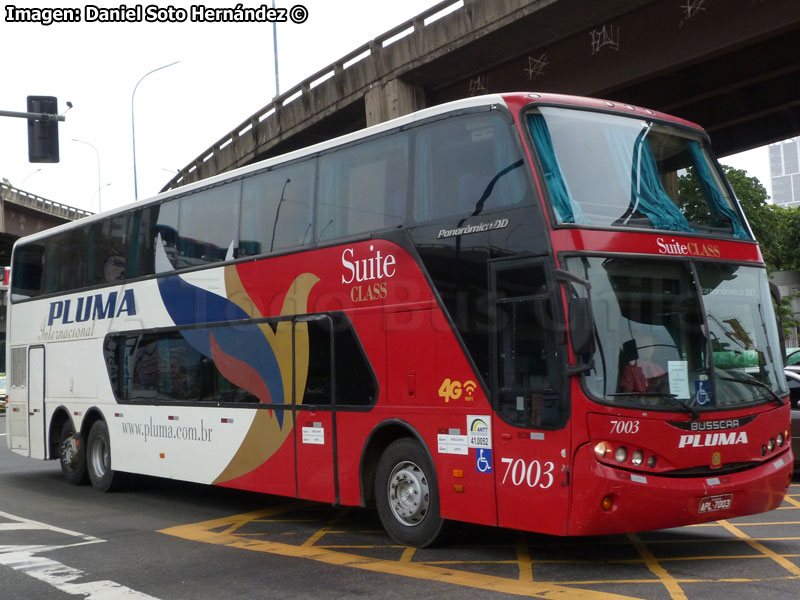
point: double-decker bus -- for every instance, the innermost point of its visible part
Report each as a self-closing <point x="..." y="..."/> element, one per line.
<point x="508" y="310"/>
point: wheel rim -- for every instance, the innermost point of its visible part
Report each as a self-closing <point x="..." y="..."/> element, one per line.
<point x="69" y="453"/>
<point x="408" y="493"/>
<point x="98" y="457"/>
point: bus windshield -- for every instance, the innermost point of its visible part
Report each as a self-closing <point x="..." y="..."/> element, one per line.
<point x="698" y="333"/>
<point x="606" y="170"/>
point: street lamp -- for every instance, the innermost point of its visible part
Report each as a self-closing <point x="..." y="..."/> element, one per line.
<point x="275" y="46"/>
<point x="100" y="194"/>
<point x="133" y="126"/>
<point x="22" y="187"/>
<point x="99" y="204"/>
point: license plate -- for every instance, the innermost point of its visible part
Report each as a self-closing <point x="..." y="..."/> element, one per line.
<point x="714" y="503"/>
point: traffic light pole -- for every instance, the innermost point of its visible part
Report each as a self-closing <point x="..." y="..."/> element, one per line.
<point x="43" y="118"/>
<point x="34" y="116"/>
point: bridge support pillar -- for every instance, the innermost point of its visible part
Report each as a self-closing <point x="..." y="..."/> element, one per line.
<point x="393" y="99"/>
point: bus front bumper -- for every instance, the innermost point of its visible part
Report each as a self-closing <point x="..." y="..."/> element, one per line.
<point x="606" y="500"/>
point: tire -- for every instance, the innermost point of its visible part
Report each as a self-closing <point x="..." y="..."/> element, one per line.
<point x="407" y="495"/>
<point x="98" y="460"/>
<point x="72" y="455"/>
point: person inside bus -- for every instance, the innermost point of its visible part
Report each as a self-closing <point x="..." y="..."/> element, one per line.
<point x="640" y="372"/>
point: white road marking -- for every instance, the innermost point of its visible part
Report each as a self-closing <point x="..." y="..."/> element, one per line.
<point x="60" y="576"/>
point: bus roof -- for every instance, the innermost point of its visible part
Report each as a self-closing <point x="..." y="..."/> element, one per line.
<point x="513" y="101"/>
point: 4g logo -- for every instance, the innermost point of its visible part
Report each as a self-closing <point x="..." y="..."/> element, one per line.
<point x="455" y="389"/>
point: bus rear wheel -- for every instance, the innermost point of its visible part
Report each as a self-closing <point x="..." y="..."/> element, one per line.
<point x="98" y="460"/>
<point x="72" y="456"/>
<point x="406" y="495"/>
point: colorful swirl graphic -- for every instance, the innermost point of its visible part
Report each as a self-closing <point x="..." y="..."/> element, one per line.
<point x="254" y="357"/>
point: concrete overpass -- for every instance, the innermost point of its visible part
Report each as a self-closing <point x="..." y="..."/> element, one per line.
<point x="23" y="213"/>
<point x="733" y="66"/>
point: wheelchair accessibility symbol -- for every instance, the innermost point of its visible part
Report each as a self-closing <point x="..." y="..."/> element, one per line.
<point x="483" y="460"/>
<point x="702" y="392"/>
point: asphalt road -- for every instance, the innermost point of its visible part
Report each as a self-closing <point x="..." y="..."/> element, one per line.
<point x="171" y="540"/>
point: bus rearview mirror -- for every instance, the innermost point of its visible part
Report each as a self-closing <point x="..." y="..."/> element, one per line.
<point x="581" y="328"/>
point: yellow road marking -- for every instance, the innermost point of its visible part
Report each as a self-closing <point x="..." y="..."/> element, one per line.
<point x="228" y="531"/>
<point x="655" y="567"/>
<point x="681" y="580"/>
<point x="792" y="501"/>
<point x="524" y="558"/>
<point x="329" y="528"/>
<point x="785" y="563"/>
<point x="205" y="532"/>
<point x="408" y="554"/>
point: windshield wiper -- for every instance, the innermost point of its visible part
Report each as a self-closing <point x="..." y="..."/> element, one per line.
<point x="671" y="397"/>
<point x="757" y="383"/>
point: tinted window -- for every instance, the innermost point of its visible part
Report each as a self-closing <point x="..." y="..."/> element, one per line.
<point x="363" y="188"/>
<point x="167" y="230"/>
<point x="466" y="165"/>
<point x="178" y="366"/>
<point x="65" y="265"/>
<point x="165" y="366"/>
<point x="347" y="370"/>
<point x="200" y="228"/>
<point x="208" y="224"/>
<point x="142" y="237"/>
<point x="27" y="271"/>
<point x="794" y="391"/>
<point x="277" y="207"/>
<point x="107" y="250"/>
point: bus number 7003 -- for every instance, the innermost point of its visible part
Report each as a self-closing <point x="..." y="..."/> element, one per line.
<point x="533" y="473"/>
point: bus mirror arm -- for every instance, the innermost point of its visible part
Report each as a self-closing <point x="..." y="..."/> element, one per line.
<point x="566" y="276"/>
<point x="571" y="370"/>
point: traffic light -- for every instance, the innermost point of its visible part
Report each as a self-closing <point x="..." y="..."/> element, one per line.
<point x="43" y="133"/>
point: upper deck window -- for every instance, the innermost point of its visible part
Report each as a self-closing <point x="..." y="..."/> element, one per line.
<point x="612" y="171"/>
<point x="466" y="166"/>
<point x="362" y="188"/>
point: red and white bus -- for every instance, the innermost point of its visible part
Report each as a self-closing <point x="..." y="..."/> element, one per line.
<point x="508" y="310"/>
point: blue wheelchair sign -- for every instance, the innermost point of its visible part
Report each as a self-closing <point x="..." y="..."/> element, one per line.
<point x="702" y="392"/>
<point x="483" y="460"/>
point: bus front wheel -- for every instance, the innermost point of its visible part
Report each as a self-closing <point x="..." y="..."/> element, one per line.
<point x="98" y="460"/>
<point x="72" y="455"/>
<point x="406" y="495"/>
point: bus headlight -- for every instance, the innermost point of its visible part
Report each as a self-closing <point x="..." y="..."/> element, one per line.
<point x="771" y="444"/>
<point x="780" y="440"/>
<point x="601" y="449"/>
<point x="621" y="454"/>
<point x="637" y="458"/>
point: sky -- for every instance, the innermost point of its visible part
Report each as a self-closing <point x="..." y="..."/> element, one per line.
<point x="225" y="74"/>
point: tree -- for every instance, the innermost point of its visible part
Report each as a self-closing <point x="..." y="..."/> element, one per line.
<point x="777" y="229"/>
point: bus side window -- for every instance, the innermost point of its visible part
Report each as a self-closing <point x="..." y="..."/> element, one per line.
<point x="277" y="209"/>
<point x="28" y="271"/>
<point x="65" y="261"/>
<point x="142" y="236"/>
<point x="466" y="165"/>
<point x="354" y="379"/>
<point x="363" y="188"/>
<point x="208" y="224"/>
<point x="108" y="250"/>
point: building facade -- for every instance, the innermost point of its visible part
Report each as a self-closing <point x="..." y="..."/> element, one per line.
<point x="784" y="167"/>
